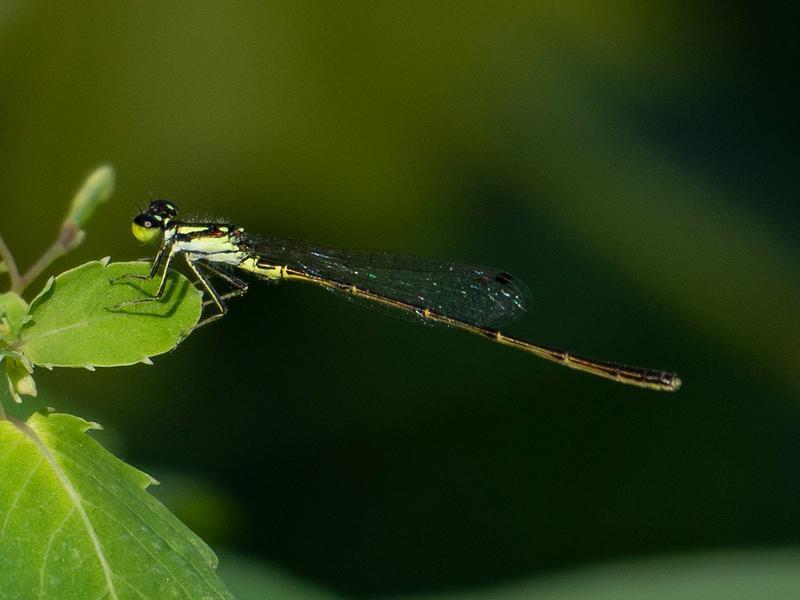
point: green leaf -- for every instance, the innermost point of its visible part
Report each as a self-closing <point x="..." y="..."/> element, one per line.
<point x="76" y="320"/>
<point x="76" y="522"/>
<point x="771" y="574"/>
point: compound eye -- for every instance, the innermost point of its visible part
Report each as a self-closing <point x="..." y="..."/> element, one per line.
<point x="170" y="209"/>
<point x="146" y="228"/>
<point x="164" y="208"/>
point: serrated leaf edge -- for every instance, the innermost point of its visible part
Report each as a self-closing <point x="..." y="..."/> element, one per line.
<point x="104" y="262"/>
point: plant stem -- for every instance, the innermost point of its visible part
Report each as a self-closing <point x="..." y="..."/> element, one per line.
<point x="69" y="237"/>
<point x="11" y="264"/>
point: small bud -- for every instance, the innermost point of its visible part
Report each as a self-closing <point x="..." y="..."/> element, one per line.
<point x="20" y="380"/>
<point x="26" y="386"/>
<point x="96" y="189"/>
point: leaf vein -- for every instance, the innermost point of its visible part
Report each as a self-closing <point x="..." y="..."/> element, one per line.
<point x="137" y="505"/>
<point x="142" y="544"/>
<point x="53" y="535"/>
<point x="75" y="498"/>
<point x="18" y="495"/>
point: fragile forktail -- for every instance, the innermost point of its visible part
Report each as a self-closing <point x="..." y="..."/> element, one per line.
<point x="466" y="297"/>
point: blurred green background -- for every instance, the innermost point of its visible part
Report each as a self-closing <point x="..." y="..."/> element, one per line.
<point x="633" y="162"/>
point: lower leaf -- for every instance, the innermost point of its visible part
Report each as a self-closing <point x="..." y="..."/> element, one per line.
<point x="77" y="522"/>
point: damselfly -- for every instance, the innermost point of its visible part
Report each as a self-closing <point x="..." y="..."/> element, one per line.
<point x="466" y="297"/>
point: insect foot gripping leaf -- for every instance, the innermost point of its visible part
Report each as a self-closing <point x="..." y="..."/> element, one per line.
<point x="76" y="522"/>
<point x="73" y="322"/>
